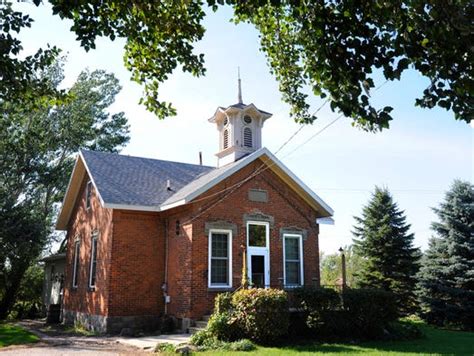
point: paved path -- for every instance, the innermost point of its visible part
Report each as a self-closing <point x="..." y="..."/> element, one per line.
<point x="150" y="342"/>
<point x="57" y="343"/>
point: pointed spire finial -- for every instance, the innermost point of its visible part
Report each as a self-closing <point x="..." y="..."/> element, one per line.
<point x="239" y="98"/>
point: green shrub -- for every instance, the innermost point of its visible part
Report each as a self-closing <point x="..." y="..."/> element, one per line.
<point x="241" y="345"/>
<point x="403" y="330"/>
<point x="223" y="303"/>
<point x="223" y="326"/>
<point x="202" y="338"/>
<point x="165" y="347"/>
<point x="317" y="304"/>
<point x="261" y="314"/>
<point x="369" y="311"/>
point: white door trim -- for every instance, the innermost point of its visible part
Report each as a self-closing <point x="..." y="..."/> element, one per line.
<point x="259" y="251"/>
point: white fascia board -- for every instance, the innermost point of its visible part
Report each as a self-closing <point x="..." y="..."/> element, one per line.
<point x="299" y="182"/>
<point x="172" y="205"/>
<point x="325" y="221"/>
<point x="131" y="207"/>
<point x="241" y="164"/>
<point x="74" y="171"/>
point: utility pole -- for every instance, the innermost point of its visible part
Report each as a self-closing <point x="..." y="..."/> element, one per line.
<point x="343" y="266"/>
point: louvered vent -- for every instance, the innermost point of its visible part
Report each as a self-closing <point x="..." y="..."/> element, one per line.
<point x="226" y="139"/>
<point x="248" y="137"/>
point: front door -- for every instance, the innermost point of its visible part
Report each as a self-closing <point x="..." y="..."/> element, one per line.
<point x="258" y="247"/>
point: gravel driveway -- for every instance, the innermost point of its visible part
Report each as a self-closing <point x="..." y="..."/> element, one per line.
<point x="54" y="342"/>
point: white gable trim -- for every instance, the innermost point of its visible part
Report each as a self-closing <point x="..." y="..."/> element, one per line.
<point x="241" y="164"/>
<point x="72" y="191"/>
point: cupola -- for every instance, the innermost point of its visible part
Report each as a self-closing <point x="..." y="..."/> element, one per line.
<point x="240" y="129"/>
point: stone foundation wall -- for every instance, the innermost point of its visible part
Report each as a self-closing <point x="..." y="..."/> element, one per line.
<point x="112" y="324"/>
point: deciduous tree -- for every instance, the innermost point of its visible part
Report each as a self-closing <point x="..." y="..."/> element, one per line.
<point x="330" y="49"/>
<point x="37" y="147"/>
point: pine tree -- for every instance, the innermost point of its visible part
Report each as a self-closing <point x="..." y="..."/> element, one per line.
<point x="390" y="261"/>
<point x="446" y="277"/>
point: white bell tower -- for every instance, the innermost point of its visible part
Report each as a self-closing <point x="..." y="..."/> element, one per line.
<point x="240" y="129"/>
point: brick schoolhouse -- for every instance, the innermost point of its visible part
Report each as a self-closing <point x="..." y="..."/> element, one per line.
<point x="148" y="238"/>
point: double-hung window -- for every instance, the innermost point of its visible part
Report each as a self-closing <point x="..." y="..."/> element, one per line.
<point x="93" y="261"/>
<point x="75" y="272"/>
<point x="220" y="259"/>
<point x="293" y="260"/>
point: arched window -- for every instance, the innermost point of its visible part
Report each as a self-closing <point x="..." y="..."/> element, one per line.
<point x="226" y="139"/>
<point x="248" y="137"/>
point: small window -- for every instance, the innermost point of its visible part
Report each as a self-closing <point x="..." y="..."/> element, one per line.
<point x="248" y="137"/>
<point x="257" y="234"/>
<point x="220" y="258"/>
<point x="178" y="228"/>
<point x="226" y="139"/>
<point x="88" y="194"/>
<point x="226" y="121"/>
<point x="247" y="119"/>
<point x="75" y="272"/>
<point x="293" y="260"/>
<point x="93" y="263"/>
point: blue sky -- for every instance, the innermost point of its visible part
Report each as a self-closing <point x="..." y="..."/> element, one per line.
<point x="417" y="159"/>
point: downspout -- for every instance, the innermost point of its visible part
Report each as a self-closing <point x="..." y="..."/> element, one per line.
<point x="165" y="284"/>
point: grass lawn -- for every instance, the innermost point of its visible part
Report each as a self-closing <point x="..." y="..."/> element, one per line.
<point x="437" y="342"/>
<point x="14" y="335"/>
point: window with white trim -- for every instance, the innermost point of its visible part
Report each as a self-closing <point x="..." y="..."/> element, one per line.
<point x="220" y="258"/>
<point x="88" y="194"/>
<point x="293" y="260"/>
<point x="93" y="261"/>
<point x="75" y="271"/>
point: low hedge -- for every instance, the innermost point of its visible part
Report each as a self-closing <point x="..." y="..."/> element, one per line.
<point x="354" y="313"/>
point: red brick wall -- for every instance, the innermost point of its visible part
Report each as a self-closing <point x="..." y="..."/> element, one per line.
<point x="131" y="266"/>
<point x="288" y="211"/>
<point x="82" y="224"/>
<point x="137" y="269"/>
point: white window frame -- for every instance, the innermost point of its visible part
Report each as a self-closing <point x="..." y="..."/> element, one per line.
<point x="229" y="254"/>
<point x="77" y="250"/>
<point x="267" y="234"/>
<point x="88" y="194"/>
<point x="300" y="244"/>
<point x="95" y="236"/>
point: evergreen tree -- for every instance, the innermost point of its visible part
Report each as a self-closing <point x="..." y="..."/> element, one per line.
<point x="390" y="262"/>
<point x="446" y="277"/>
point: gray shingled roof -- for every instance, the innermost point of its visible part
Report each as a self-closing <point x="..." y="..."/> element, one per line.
<point x="198" y="183"/>
<point x="127" y="180"/>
